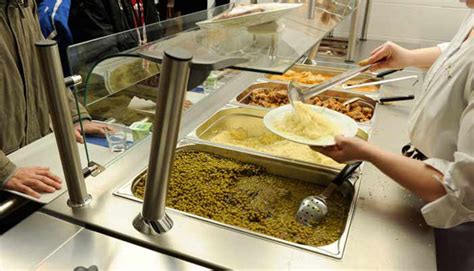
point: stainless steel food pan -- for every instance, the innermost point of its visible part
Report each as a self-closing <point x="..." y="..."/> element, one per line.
<point x="331" y="72"/>
<point x="244" y="97"/>
<point x="278" y="167"/>
<point x="248" y="118"/>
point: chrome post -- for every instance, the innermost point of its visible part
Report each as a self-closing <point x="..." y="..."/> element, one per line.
<point x="62" y="122"/>
<point x="365" y="23"/>
<point x="310" y="59"/>
<point x="353" y="33"/>
<point x="311" y="9"/>
<point x="173" y="85"/>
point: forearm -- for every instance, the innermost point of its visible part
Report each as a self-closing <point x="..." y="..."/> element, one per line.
<point x="424" y="58"/>
<point x="412" y="174"/>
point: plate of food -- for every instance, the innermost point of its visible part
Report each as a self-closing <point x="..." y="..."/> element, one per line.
<point x="309" y="124"/>
<point x="249" y="15"/>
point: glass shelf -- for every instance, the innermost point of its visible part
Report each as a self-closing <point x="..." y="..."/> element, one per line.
<point x="271" y="48"/>
<point x="116" y="75"/>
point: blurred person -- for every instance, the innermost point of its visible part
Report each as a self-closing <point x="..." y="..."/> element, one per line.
<point x="24" y="114"/>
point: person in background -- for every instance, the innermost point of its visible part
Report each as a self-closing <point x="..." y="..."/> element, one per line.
<point x="24" y="114"/>
<point x="53" y="18"/>
<point x="91" y="19"/>
<point x="181" y="7"/>
<point x="441" y="128"/>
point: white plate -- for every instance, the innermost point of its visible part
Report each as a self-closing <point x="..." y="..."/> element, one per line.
<point x="273" y="12"/>
<point x="347" y="125"/>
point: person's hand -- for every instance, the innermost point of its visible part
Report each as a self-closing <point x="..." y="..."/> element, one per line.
<point x="347" y="149"/>
<point x="90" y="128"/>
<point x="388" y="56"/>
<point x="33" y="180"/>
<point x="187" y="104"/>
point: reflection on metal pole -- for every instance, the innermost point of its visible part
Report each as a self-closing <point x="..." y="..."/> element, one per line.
<point x="169" y="105"/>
<point x="62" y="122"/>
<point x="365" y="24"/>
<point x="353" y="33"/>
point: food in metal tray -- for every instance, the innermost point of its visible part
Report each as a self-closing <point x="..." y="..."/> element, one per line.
<point x="304" y="77"/>
<point x="270" y="143"/>
<point x="356" y="111"/>
<point x="307" y="77"/>
<point x="268" y="97"/>
<point x="246" y="196"/>
<point x="276" y="97"/>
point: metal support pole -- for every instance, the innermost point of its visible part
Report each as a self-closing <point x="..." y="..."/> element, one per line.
<point x="169" y="105"/>
<point x="62" y="122"/>
<point x="353" y="33"/>
<point x="365" y="23"/>
<point x="310" y="59"/>
<point x="311" y="9"/>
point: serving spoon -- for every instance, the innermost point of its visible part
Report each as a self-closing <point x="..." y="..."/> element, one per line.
<point x="314" y="208"/>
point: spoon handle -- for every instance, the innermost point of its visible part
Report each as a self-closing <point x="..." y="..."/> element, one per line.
<point x="396" y="98"/>
<point x="346" y="172"/>
<point x="387" y="72"/>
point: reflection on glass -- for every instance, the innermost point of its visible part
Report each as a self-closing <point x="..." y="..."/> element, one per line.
<point x="120" y="85"/>
<point x="271" y="47"/>
<point x="327" y="13"/>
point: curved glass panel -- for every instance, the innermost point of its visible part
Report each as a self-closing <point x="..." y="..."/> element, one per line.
<point x="121" y="86"/>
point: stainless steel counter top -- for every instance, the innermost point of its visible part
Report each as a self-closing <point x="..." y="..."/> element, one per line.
<point x="35" y="238"/>
<point x="387" y="231"/>
<point x="42" y="242"/>
<point x="88" y="248"/>
<point x="44" y="152"/>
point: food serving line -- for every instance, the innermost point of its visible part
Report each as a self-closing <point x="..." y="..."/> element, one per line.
<point x="379" y="226"/>
<point x="384" y="228"/>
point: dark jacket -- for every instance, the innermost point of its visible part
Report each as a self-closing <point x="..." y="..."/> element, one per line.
<point x="91" y="19"/>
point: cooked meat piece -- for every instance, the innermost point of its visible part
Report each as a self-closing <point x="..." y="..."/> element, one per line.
<point x="275" y="97"/>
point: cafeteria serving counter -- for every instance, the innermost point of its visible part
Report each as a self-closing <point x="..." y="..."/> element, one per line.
<point x="387" y="229"/>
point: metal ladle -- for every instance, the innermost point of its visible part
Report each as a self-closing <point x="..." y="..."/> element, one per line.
<point x="314" y="208"/>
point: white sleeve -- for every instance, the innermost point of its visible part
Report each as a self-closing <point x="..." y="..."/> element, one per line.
<point x="457" y="206"/>
<point x="443" y="46"/>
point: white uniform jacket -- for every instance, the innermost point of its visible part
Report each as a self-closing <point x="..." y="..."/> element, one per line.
<point x="441" y="126"/>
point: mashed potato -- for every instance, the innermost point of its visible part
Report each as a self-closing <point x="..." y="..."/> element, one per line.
<point x="272" y="144"/>
<point x="305" y="123"/>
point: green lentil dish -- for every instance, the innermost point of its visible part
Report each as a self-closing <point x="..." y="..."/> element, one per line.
<point x="246" y="196"/>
